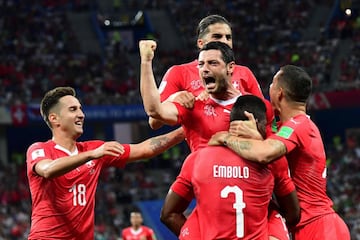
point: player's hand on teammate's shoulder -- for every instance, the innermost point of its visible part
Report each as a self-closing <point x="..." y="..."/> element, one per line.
<point x="218" y="138"/>
<point x="245" y="128"/>
<point x="203" y="96"/>
<point x="185" y="98"/>
<point x="147" y="49"/>
<point x="111" y="148"/>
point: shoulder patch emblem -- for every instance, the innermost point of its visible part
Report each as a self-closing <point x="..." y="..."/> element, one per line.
<point x="37" y="153"/>
<point x="285" y="132"/>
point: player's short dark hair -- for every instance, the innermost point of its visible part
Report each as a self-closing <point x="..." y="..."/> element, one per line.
<point x="251" y="104"/>
<point x="296" y="83"/>
<point x="134" y="209"/>
<point x="226" y="51"/>
<point x="203" y="26"/>
<point x="51" y="98"/>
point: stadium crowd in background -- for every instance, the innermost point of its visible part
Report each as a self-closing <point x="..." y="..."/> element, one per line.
<point x="40" y="51"/>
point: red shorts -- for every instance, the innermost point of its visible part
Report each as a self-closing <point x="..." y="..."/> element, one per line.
<point x="276" y="225"/>
<point x="329" y="227"/>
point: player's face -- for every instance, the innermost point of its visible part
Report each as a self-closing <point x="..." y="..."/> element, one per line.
<point x="136" y="219"/>
<point x="214" y="72"/>
<point x="71" y="117"/>
<point x="275" y="93"/>
<point x="217" y="32"/>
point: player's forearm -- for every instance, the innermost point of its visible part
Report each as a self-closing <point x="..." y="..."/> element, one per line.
<point x="155" y="145"/>
<point x="290" y="208"/>
<point x="174" y="222"/>
<point x="255" y="150"/>
<point x="61" y="166"/>
<point x="149" y="91"/>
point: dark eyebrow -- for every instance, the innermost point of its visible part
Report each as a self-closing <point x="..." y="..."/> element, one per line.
<point x="220" y="35"/>
<point x="213" y="61"/>
<point x="217" y="35"/>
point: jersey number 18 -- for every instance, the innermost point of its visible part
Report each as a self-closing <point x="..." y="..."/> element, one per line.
<point x="79" y="196"/>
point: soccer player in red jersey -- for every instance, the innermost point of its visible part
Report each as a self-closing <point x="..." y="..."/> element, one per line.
<point x="232" y="194"/>
<point x="186" y="76"/>
<point x="300" y="141"/>
<point x="63" y="173"/>
<point x="137" y="231"/>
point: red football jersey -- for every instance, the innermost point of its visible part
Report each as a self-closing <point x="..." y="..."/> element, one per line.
<point x="232" y="195"/>
<point x="307" y="163"/>
<point x="191" y="228"/>
<point x="143" y="233"/>
<point x="204" y="119"/>
<point x="63" y="207"/>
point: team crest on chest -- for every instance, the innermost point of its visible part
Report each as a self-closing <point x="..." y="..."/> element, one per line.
<point x="195" y="84"/>
<point x="185" y="232"/>
<point x="236" y="84"/>
<point x="91" y="164"/>
<point x="209" y="110"/>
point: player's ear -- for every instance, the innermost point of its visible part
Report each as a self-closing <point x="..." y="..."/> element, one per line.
<point x="53" y="118"/>
<point x="200" y="43"/>
<point x="230" y="68"/>
<point x="281" y="93"/>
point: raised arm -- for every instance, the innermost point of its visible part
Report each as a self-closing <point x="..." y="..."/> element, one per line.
<point x="184" y="98"/>
<point x="165" y="112"/>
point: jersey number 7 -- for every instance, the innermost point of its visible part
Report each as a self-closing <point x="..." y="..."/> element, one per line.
<point x="239" y="205"/>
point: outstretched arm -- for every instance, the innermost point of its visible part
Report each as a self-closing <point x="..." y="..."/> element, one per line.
<point x="165" y="112"/>
<point x="155" y="145"/>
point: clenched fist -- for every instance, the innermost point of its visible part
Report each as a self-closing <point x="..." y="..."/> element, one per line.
<point x="147" y="48"/>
